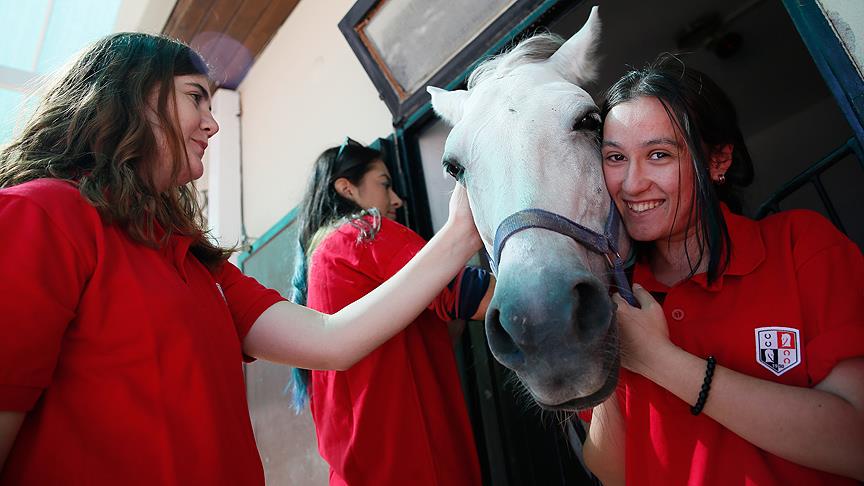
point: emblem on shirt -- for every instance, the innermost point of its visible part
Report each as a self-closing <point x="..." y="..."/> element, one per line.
<point x="778" y="348"/>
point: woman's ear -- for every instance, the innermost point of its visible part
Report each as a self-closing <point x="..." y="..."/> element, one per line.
<point x="344" y="188"/>
<point x="721" y="159"/>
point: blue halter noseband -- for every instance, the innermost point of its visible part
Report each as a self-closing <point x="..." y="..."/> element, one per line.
<point x="605" y="244"/>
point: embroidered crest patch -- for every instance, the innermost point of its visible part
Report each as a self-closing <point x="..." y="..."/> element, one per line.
<point x="778" y="348"/>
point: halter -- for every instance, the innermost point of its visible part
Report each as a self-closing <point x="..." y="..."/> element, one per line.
<point x="604" y="244"/>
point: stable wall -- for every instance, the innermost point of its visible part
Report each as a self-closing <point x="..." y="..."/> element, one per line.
<point x="305" y="93"/>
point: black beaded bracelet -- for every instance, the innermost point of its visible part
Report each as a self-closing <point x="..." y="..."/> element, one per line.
<point x="706" y="386"/>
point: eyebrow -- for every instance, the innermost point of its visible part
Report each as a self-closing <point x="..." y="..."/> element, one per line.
<point x="661" y="141"/>
<point x="655" y="141"/>
<point x="204" y="92"/>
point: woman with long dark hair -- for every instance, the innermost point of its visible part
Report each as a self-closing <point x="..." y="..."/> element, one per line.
<point x="745" y="362"/>
<point x="397" y="416"/>
<point x="123" y="327"/>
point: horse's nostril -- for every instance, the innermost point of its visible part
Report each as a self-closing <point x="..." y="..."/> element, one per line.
<point x="500" y="341"/>
<point x="593" y="311"/>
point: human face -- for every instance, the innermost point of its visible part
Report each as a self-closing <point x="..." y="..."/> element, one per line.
<point x="375" y="190"/>
<point x="648" y="170"/>
<point x="196" y="125"/>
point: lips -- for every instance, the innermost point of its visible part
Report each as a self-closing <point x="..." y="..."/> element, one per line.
<point x="201" y="144"/>
<point x="643" y="206"/>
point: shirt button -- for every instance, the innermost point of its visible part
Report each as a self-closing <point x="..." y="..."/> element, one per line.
<point x="678" y="314"/>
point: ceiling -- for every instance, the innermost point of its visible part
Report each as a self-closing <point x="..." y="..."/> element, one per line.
<point x="230" y="34"/>
<point x="39" y="35"/>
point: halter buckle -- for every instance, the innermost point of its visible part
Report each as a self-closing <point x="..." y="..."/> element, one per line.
<point x="609" y="257"/>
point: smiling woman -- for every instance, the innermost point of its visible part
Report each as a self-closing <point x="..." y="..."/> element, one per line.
<point x="124" y="150"/>
<point x="643" y="152"/>
<point x="745" y="362"/>
<point x="123" y="325"/>
<point x="662" y="176"/>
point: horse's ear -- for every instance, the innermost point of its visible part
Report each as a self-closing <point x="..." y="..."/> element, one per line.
<point x="575" y="59"/>
<point x="449" y="105"/>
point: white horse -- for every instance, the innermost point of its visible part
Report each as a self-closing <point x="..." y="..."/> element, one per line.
<point x="525" y="136"/>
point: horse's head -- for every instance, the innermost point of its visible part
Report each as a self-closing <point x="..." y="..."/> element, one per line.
<point x="525" y="135"/>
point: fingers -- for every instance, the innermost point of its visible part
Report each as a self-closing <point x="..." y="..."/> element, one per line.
<point x="620" y="302"/>
<point x="460" y="209"/>
<point x="458" y="199"/>
<point x="460" y="214"/>
<point x="460" y="196"/>
<point x="644" y="297"/>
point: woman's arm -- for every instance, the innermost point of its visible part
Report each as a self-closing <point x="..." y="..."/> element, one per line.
<point x="301" y="337"/>
<point x="820" y="427"/>
<point x="604" y="447"/>
<point x="10" y="422"/>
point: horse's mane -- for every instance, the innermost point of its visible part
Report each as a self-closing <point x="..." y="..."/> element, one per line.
<point x="536" y="48"/>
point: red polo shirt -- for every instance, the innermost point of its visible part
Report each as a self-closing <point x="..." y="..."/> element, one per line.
<point x="127" y="359"/>
<point x="398" y="416"/>
<point x="787" y="309"/>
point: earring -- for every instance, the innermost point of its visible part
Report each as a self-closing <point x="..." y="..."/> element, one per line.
<point x="721" y="179"/>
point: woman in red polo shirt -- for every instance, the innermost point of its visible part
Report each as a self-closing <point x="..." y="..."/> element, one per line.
<point x="397" y="416"/>
<point x="122" y="326"/>
<point x="745" y="363"/>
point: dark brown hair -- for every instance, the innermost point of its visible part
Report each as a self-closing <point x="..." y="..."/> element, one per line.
<point x="91" y="127"/>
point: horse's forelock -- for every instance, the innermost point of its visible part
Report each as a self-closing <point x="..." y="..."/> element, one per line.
<point x="534" y="49"/>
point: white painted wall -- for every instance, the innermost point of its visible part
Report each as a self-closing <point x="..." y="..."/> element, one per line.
<point x="222" y="172"/>
<point x="305" y="93"/>
<point x="847" y="19"/>
<point x="143" y="15"/>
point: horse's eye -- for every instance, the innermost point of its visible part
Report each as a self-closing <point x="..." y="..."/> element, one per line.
<point x="590" y="122"/>
<point x="453" y="168"/>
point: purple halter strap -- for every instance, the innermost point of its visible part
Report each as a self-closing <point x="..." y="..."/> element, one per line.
<point x="604" y="244"/>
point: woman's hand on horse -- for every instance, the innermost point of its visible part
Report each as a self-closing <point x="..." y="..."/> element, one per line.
<point x="643" y="332"/>
<point x="461" y="217"/>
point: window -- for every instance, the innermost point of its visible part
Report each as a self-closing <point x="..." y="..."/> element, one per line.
<point x="406" y="45"/>
<point x="38" y="36"/>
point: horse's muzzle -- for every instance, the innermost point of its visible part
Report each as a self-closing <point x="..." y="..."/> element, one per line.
<point x="550" y="324"/>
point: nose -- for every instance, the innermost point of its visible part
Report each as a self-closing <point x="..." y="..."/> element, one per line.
<point x="553" y="306"/>
<point x="395" y="200"/>
<point x="209" y="124"/>
<point x="634" y="180"/>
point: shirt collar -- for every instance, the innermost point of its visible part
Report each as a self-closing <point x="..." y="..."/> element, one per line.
<point x="748" y="251"/>
<point x="176" y="247"/>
